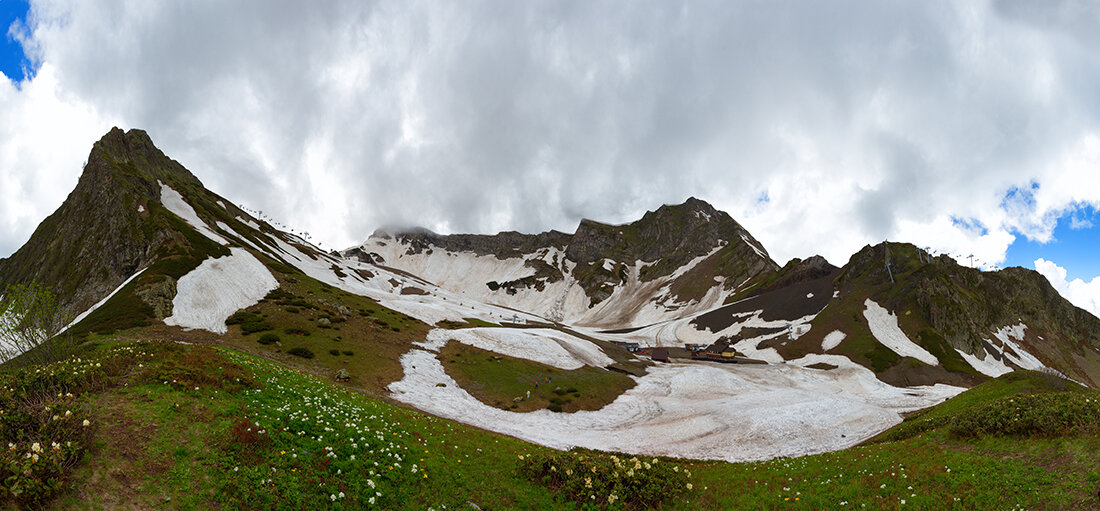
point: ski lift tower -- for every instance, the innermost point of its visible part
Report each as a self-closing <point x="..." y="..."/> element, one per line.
<point x="888" y="270"/>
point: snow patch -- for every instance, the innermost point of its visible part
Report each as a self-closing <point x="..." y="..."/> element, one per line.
<point x="751" y="245"/>
<point x="832" y="340"/>
<point x="1017" y="355"/>
<point x="809" y="295"/>
<point x="141" y="209"/>
<point x="249" y="222"/>
<point x="173" y="201"/>
<point x="541" y="345"/>
<point x="209" y="294"/>
<point x="698" y="410"/>
<point x="884" y="326"/>
<point x="989" y="366"/>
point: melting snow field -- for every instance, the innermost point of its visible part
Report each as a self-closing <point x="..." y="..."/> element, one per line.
<point x="209" y="294"/>
<point x="696" y="410"/>
<point x="884" y="326"/>
<point x="542" y="345"/>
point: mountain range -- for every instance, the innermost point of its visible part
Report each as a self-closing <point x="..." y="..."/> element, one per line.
<point x="682" y="274"/>
<point x="199" y="326"/>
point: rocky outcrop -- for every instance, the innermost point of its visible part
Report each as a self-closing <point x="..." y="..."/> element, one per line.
<point x="158" y="296"/>
<point x="98" y="238"/>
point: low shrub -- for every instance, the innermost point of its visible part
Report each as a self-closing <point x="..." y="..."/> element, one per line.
<point x="300" y="352"/>
<point x="257" y="326"/>
<point x="296" y="331"/>
<point x="199" y="366"/>
<point x="268" y="338"/>
<point x="349" y="352"/>
<point x="241" y="317"/>
<point x="279" y="294"/>
<point x="250" y="322"/>
<point x="606" y="480"/>
<point x="1053" y="414"/>
<point x="335" y="353"/>
<point x="249" y="440"/>
<point x="44" y="425"/>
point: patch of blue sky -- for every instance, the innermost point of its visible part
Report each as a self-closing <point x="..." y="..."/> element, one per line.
<point x="970" y="224"/>
<point x="1075" y="246"/>
<point x="13" y="62"/>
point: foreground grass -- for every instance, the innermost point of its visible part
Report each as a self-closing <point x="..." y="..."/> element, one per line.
<point x="195" y="427"/>
<point x="284" y="440"/>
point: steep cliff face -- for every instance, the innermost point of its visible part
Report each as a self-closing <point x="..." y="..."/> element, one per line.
<point x="110" y="226"/>
<point x="673" y="260"/>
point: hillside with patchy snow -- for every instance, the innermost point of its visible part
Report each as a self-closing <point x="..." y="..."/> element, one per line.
<point x="827" y="356"/>
<point x="673" y="262"/>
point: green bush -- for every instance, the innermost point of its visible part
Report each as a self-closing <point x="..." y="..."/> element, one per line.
<point x="241" y="317"/>
<point x="268" y="338"/>
<point x="349" y="352"/>
<point x="606" y="480"/>
<point x="335" y="353"/>
<point x="279" y="294"/>
<point x="296" y="331"/>
<point x="292" y="310"/>
<point x="250" y="322"/>
<point x="300" y="352"/>
<point x="1053" y="414"/>
<point x="253" y="327"/>
<point x="43" y="424"/>
<point x="554" y="407"/>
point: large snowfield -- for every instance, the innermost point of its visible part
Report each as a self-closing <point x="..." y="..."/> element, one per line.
<point x="696" y="410"/>
<point x="465" y="274"/>
<point x="542" y="345"/>
<point x="209" y="294"/>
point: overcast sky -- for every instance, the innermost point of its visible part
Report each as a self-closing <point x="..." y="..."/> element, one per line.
<point x="970" y="127"/>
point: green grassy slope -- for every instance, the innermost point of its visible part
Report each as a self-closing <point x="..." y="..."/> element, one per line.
<point x="181" y="427"/>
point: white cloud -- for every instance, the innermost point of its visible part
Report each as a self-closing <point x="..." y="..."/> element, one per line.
<point x="45" y="136"/>
<point x="1085" y="295"/>
<point x="860" y="122"/>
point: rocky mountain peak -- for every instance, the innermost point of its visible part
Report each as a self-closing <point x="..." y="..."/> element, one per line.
<point x="110" y="225"/>
<point x="133" y="156"/>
